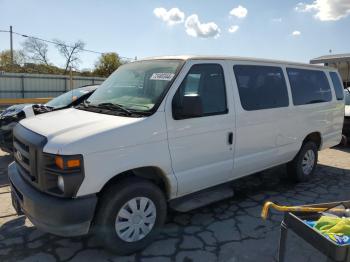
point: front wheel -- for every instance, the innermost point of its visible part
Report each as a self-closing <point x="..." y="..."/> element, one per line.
<point x="303" y="166"/>
<point x="129" y="215"/>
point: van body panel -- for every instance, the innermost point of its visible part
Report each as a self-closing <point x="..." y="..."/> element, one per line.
<point x="200" y="153"/>
<point x="149" y="148"/>
<point x="105" y="140"/>
<point x="69" y="125"/>
<point x="146" y="155"/>
<point x="264" y="137"/>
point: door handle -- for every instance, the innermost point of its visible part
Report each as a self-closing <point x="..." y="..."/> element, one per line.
<point x="230" y="138"/>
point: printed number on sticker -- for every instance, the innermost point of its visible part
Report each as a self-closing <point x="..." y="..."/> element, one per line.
<point x="162" y="76"/>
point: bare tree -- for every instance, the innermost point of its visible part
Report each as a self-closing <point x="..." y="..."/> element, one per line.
<point x="70" y="53"/>
<point x="36" y="50"/>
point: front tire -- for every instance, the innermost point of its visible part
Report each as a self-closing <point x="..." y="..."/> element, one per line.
<point x="129" y="215"/>
<point x="302" y="167"/>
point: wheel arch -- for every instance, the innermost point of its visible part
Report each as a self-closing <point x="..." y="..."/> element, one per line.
<point x="314" y="137"/>
<point x="152" y="173"/>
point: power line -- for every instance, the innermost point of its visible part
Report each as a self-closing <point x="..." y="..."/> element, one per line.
<point x="60" y="44"/>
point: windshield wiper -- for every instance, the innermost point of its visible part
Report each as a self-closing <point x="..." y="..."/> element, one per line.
<point x="86" y="103"/>
<point x="113" y="106"/>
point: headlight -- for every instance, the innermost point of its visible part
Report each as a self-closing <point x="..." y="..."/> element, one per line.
<point x="63" y="174"/>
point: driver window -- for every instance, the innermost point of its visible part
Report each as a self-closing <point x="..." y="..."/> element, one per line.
<point x="201" y="93"/>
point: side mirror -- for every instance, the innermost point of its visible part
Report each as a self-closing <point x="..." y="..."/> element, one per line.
<point x="190" y="106"/>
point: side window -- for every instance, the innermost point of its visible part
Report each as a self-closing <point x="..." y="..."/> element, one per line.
<point x="201" y="93"/>
<point x="309" y="86"/>
<point x="261" y="87"/>
<point x="338" y="86"/>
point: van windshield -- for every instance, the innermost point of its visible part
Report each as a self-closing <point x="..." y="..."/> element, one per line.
<point x="136" y="86"/>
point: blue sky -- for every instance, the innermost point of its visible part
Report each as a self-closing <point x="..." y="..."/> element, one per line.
<point x="131" y="28"/>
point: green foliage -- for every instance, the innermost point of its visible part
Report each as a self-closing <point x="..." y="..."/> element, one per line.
<point x="107" y="64"/>
<point x="5" y="58"/>
<point x="36" y="53"/>
<point x="32" y="68"/>
<point x="22" y="66"/>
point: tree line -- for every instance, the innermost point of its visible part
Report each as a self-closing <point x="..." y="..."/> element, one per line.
<point x="34" y="58"/>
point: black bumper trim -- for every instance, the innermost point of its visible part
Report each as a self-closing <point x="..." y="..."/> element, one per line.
<point x="59" y="216"/>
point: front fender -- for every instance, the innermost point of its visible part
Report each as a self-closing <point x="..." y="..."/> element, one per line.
<point x="101" y="167"/>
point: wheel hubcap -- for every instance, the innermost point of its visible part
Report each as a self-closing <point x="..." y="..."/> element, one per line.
<point x="308" y="162"/>
<point x="136" y="219"/>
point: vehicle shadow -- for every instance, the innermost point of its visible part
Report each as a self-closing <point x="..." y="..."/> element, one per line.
<point x="345" y="149"/>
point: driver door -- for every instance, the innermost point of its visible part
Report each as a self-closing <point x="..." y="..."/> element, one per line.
<point x="201" y="140"/>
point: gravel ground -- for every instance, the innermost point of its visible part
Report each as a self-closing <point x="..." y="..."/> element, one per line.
<point x="230" y="230"/>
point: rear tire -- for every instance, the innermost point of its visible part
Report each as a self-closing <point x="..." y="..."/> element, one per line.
<point x="302" y="167"/>
<point x="344" y="141"/>
<point x="129" y="215"/>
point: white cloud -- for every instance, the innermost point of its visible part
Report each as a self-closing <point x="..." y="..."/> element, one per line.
<point x="326" y="10"/>
<point x="196" y="29"/>
<point x="239" y="12"/>
<point x="171" y="17"/>
<point x="233" y="29"/>
<point x="276" y="20"/>
<point x="296" y="33"/>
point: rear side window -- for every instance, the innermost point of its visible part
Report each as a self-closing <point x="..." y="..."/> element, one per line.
<point x="338" y="86"/>
<point x="261" y="87"/>
<point x="309" y="86"/>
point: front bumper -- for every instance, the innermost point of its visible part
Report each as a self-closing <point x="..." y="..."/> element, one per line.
<point x="59" y="216"/>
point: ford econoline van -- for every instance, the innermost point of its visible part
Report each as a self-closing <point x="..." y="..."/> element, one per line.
<point x="170" y="132"/>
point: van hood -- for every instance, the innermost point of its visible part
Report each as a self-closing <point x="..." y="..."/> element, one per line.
<point x="69" y="120"/>
<point x="66" y="128"/>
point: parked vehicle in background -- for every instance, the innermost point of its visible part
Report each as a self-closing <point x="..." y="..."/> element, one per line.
<point x="13" y="114"/>
<point x="170" y="132"/>
<point x="346" y="127"/>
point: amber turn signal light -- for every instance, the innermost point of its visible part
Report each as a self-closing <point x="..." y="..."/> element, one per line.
<point x="71" y="163"/>
<point x="59" y="162"/>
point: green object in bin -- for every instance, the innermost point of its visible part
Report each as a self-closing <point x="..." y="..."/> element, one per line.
<point x="328" y="224"/>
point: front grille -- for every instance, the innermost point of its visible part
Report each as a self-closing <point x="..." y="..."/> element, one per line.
<point x="22" y="155"/>
<point x="28" y="147"/>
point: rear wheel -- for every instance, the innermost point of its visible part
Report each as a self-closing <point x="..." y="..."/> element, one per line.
<point x="344" y="141"/>
<point x="302" y="167"/>
<point x="129" y="215"/>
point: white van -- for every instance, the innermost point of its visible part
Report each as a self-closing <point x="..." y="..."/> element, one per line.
<point x="170" y="132"/>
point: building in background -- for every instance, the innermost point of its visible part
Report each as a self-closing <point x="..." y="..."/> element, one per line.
<point x="339" y="61"/>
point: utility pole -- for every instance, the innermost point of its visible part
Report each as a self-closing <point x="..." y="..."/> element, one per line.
<point x="70" y="79"/>
<point x="11" y="45"/>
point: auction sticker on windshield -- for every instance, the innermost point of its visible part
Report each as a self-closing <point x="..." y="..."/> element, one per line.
<point x="162" y="76"/>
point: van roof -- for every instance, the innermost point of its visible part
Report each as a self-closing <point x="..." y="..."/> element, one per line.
<point x="249" y="59"/>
